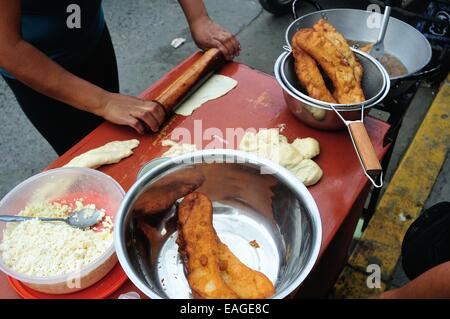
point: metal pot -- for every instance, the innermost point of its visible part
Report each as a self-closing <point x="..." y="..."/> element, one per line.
<point x="402" y="40"/>
<point x="253" y="199"/>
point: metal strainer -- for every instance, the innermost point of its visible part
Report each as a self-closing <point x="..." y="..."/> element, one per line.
<point x="328" y="116"/>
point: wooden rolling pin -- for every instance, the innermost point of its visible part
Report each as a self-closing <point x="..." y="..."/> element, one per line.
<point x="174" y="94"/>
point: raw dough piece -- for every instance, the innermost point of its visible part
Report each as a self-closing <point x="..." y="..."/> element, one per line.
<point x="109" y="153"/>
<point x="270" y="144"/>
<point x="296" y="157"/>
<point x="249" y="143"/>
<point x="308" y="147"/>
<point x="308" y="172"/>
<point x="264" y="139"/>
<point x="318" y="113"/>
<point x="271" y="136"/>
<point x="289" y="156"/>
<point x="217" y="86"/>
<point x="266" y="143"/>
<point x="177" y="149"/>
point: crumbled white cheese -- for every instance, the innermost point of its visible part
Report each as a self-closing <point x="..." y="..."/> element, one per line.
<point x="45" y="249"/>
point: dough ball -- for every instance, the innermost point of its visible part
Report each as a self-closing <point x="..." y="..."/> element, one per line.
<point x="308" y="147"/>
<point x="288" y="156"/>
<point x="308" y="172"/>
<point x="296" y="157"/>
<point x="269" y="151"/>
<point x="318" y="113"/>
<point x="269" y="136"/>
<point x="283" y="139"/>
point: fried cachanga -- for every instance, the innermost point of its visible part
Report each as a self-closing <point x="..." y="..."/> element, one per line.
<point x="309" y="75"/>
<point x="213" y="270"/>
<point x="197" y="245"/>
<point x="329" y="32"/>
<point x="244" y="281"/>
<point x="347" y="88"/>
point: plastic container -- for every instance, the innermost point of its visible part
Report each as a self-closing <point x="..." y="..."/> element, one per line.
<point x="65" y="184"/>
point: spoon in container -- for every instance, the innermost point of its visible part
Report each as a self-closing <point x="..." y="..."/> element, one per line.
<point x="377" y="50"/>
<point x="84" y="218"/>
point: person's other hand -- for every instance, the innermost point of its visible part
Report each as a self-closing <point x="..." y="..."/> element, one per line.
<point x="143" y="116"/>
<point x="207" y="34"/>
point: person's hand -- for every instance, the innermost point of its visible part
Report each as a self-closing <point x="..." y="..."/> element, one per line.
<point x="207" y="34"/>
<point x="143" y="116"/>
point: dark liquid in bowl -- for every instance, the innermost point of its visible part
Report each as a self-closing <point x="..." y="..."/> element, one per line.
<point x="392" y="64"/>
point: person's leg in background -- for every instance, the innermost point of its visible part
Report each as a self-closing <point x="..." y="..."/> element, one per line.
<point x="60" y="124"/>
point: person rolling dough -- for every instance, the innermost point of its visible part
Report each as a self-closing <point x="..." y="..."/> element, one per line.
<point x="63" y="73"/>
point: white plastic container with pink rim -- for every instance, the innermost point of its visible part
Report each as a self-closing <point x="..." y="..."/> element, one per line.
<point x="65" y="186"/>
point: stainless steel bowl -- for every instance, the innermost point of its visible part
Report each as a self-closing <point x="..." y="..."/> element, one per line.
<point x="322" y="116"/>
<point x="253" y="199"/>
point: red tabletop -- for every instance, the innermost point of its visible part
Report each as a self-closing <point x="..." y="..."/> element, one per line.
<point x="257" y="102"/>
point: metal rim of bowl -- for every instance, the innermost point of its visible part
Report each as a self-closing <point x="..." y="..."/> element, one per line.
<point x="151" y="165"/>
<point x="315" y="101"/>
<point x="197" y="157"/>
<point x="339" y="107"/>
<point x="400" y="77"/>
<point x="61" y="278"/>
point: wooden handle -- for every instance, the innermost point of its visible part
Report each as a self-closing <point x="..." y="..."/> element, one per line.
<point x="365" y="149"/>
<point x="171" y="96"/>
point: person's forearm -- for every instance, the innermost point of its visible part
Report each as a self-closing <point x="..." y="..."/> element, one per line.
<point x="35" y="69"/>
<point x="435" y="283"/>
<point x="193" y="10"/>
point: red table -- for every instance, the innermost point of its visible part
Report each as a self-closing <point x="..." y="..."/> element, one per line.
<point x="257" y="102"/>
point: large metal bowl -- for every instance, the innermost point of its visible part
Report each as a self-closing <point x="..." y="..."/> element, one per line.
<point x="253" y="199"/>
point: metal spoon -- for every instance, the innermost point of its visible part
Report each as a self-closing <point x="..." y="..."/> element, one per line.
<point x="377" y="50"/>
<point x="83" y="218"/>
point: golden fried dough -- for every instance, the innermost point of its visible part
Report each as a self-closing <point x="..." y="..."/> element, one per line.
<point x="309" y="75"/>
<point x="162" y="195"/>
<point x="329" y="32"/>
<point x="213" y="270"/>
<point x="347" y="88"/>
<point x="246" y="282"/>
<point x="199" y="250"/>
